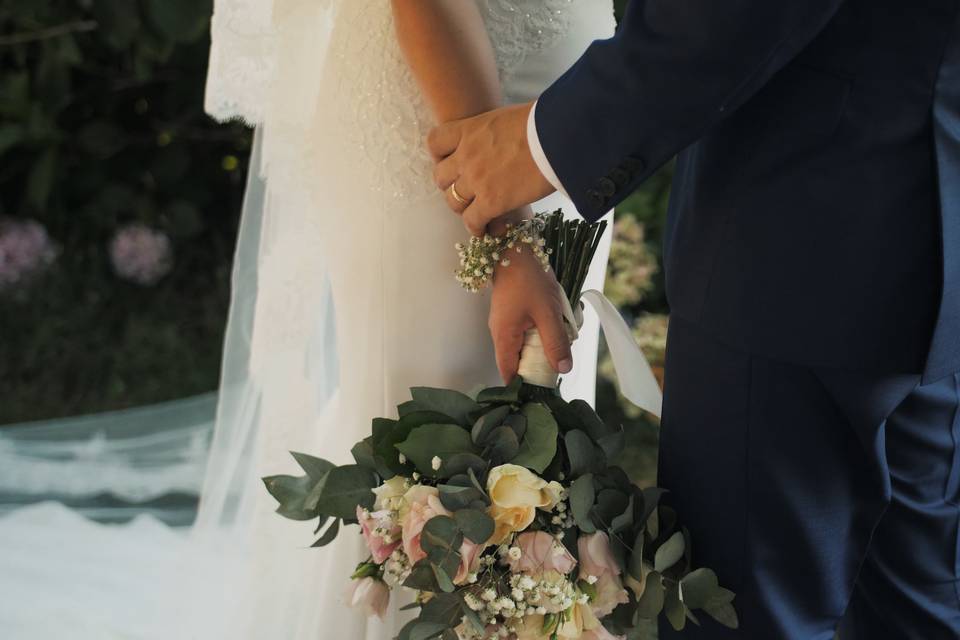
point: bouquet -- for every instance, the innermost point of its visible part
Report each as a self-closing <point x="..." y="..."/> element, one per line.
<point x="502" y="510"/>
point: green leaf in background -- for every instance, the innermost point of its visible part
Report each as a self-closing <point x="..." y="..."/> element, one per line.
<point x="341" y="490"/>
<point x="669" y="553"/>
<point x="446" y="401"/>
<point x="539" y="444"/>
<point x="41" y="178"/>
<point x="292" y="494"/>
<point x="118" y="21"/>
<point x="179" y="20"/>
<point x="582" y="495"/>
<point x="429" y="440"/>
<point x="476" y="525"/>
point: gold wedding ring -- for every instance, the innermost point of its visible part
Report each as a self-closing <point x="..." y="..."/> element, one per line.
<point x="456" y="196"/>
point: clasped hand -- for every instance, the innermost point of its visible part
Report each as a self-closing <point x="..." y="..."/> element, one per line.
<point x="484" y="166"/>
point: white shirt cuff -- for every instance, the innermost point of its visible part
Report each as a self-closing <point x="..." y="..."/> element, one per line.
<point x="539" y="157"/>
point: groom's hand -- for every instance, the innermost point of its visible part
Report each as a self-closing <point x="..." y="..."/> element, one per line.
<point x="526" y="296"/>
<point x="487" y="160"/>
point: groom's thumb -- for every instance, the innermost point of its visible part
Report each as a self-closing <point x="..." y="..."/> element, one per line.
<point x="556" y="344"/>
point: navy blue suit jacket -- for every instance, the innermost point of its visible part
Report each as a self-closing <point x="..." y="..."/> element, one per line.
<point x="815" y="214"/>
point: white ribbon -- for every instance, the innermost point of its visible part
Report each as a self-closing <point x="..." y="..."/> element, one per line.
<point x="634" y="376"/>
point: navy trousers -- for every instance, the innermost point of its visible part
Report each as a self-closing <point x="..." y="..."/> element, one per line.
<point x="824" y="498"/>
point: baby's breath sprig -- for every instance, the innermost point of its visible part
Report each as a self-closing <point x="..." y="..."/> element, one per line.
<point x="479" y="257"/>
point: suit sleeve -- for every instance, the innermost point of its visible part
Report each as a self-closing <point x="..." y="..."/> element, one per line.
<point x="673" y="69"/>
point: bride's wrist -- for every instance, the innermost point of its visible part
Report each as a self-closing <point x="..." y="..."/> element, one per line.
<point x="498" y="226"/>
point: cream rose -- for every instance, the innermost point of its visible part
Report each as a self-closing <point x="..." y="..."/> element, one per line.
<point x="516" y="493"/>
<point x="390" y="494"/>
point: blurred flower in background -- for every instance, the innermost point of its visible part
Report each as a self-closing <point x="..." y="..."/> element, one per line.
<point x="632" y="264"/>
<point x="140" y="254"/>
<point x="25" y="250"/>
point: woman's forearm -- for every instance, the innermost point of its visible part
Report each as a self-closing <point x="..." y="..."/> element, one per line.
<point x="446" y="45"/>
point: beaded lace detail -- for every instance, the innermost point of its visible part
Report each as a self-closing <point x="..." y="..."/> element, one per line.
<point x="518" y="27"/>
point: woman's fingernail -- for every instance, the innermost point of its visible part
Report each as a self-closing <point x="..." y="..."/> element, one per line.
<point x="565" y="365"/>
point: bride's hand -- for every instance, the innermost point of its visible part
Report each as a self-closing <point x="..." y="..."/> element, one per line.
<point x="526" y="296"/>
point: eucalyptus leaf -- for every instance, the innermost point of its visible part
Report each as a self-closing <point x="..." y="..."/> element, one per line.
<point x="539" y="444"/>
<point x="441" y="572"/>
<point x="612" y="444"/>
<point x="455" y="498"/>
<point x="698" y="586"/>
<point x="421" y="577"/>
<point x="476" y="525"/>
<point x="390" y="433"/>
<point x="582" y="495"/>
<point x="502" y="445"/>
<point x="460" y="463"/>
<point x="507" y="394"/>
<point x="721" y="609"/>
<point x="329" y="535"/>
<point x="650" y="604"/>
<point x="362" y="453"/>
<point x="445" y="608"/>
<point x="342" y="490"/>
<point x="408" y="407"/>
<point x="314" y="467"/>
<point x="669" y="552"/>
<point x="581" y="452"/>
<point x="430" y="440"/>
<point x="674" y="609"/>
<point x="487" y="422"/>
<point x="292" y="494"/>
<point x="446" y="401"/>
<point x="427" y="630"/>
<point x="589" y="420"/>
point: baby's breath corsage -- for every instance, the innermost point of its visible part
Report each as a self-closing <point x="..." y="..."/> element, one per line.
<point x="479" y="257"/>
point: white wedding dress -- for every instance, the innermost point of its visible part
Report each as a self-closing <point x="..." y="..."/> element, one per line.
<point x="355" y="300"/>
<point x="343" y="298"/>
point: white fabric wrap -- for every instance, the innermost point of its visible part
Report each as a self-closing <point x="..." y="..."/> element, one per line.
<point x="634" y="375"/>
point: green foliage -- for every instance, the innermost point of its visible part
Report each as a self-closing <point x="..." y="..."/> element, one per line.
<point x="101" y="124"/>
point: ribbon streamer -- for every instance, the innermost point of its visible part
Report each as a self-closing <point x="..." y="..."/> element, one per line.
<point x="635" y="378"/>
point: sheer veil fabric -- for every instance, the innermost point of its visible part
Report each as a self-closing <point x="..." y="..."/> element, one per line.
<point x="343" y="295"/>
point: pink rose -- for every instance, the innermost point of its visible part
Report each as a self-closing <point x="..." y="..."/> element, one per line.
<point x="421" y="504"/>
<point x="539" y="552"/>
<point x="596" y="559"/>
<point x="375" y="526"/>
<point x="370" y="593"/>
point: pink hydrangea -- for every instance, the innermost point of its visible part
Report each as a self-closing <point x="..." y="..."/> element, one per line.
<point x="25" y="248"/>
<point x="140" y="254"/>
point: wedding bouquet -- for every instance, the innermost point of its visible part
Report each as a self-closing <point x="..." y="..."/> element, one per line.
<point x="503" y="511"/>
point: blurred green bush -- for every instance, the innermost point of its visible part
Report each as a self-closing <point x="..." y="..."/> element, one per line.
<point x="102" y="126"/>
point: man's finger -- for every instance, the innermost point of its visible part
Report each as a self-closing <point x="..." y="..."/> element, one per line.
<point x="444" y="139"/>
<point x="508" y="343"/>
<point x="445" y="172"/>
<point x="556" y="345"/>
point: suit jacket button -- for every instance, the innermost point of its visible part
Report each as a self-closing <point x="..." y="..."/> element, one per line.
<point x="620" y="176"/>
<point x="596" y="198"/>
<point x="606" y="186"/>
